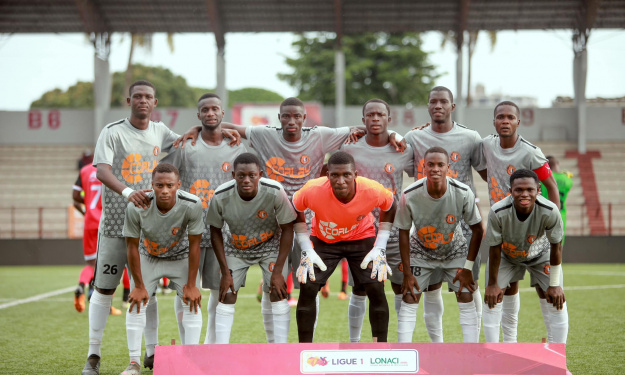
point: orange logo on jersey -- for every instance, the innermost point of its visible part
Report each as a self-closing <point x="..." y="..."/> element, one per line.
<point x="241" y="242"/>
<point x="511" y="250"/>
<point x="133" y="167"/>
<point x="400" y="267"/>
<point x="430" y="238"/>
<point x="531" y="238"/>
<point x="201" y="190"/>
<point x="450" y="219"/>
<point x="277" y="171"/>
<point x="304" y="159"/>
<point x="272" y="265"/>
<point x="389" y="168"/>
<point x="510" y="170"/>
<point x="496" y="193"/>
<point x="156" y="151"/>
<point x="547" y="269"/>
<point x="154" y="248"/>
<point x="225" y="166"/>
<point x="454" y="156"/>
<point x="262" y="214"/>
<point x="174" y="231"/>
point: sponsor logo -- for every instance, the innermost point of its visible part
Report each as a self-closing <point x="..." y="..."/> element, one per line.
<point x="226" y="166"/>
<point x="531" y="238"/>
<point x="496" y="194"/>
<point x="175" y="230"/>
<point x="384" y="361"/>
<point x="455" y="156"/>
<point x="450" y="219"/>
<point x="431" y="239"/>
<point x="241" y="242"/>
<point x="304" y="159"/>
<point x="547" y="269"/>
<point x="400" y="267"/>
<point x="156" y="151"/>
<point x="512" y="251"/>
<point x="262" y="214"/>
<point x="330" y="230"/>
<point x="272" y="265"/>
<point x="133" y="168"/>
<point x="317" y="361"/>
<point x="277" y="171"/>
<point x="510" y="170"/>
<point x="155" y="249"/>
<point x="389" y="168"/>
<point x="200" y="189"/>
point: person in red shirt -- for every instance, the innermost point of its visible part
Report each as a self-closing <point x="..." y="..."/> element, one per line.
<point x="343" y="227"/>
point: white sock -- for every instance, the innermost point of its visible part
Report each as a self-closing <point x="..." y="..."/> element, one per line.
<point x="99" y="310"/>
<point x="211" y="308"/>
<point x="477" y="300"/>
<point x="179" y="310"/>
<point x="559" y="321"/>
<point x="316" y="315"/>
<point x="398" y="301"/>
<point x="356" y="314"/>
<point x="492" y="320"/>
<point x="544" y="308"/>
<point x="151" y="326"/>
<point x="265" y="308"/>
<point x="281" y="314"/>
<point x="433" y="309"/>
<point x="135" y="324"/>
<point x="224" y="317"/>
<point x="510" y="317"/>
<point x="191" y="323"/>
<point x="468" y="321"/>
<point x="406" y="321"/>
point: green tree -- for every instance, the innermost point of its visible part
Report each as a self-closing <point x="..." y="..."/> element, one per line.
<point x="389" y="66"/>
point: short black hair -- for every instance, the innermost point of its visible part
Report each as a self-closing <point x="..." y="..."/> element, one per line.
<point x="165" y="168"/>
<point x="247" y="158"/>
<point x="376" y="100"/>
<point x="208" y="95"/>
<point x="512" y="104"/>
<point x="438" y="150"/>
<point x="523" y="173"/>
<point x="141" y="83"/>
<point x="442" y="88"/>
<point x="292" y="101"/>
<point x="341" y="158"/>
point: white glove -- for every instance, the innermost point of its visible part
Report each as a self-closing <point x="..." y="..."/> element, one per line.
<point x="377" y="255"/>
<point x="306" y="265"/>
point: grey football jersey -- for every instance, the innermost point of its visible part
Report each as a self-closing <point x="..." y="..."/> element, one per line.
<point x="438" y="233"/>
<point x="255" y="224"/>
<point x="502" y="162"/>
<point x="384" y="165"/>
<point x="522" y="241"/>
<point x="202" y="169"/>
<point x="462" y="144"/>
<point x="132" y="155"/>
<point x="165" y="235"/>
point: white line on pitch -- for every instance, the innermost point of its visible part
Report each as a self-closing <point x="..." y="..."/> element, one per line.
<point x="38" y="297"/>
<point x="600" y="273"/>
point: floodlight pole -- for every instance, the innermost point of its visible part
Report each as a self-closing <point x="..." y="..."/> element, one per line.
<point x="102" y="84"/>
<point x="339" y="66"/>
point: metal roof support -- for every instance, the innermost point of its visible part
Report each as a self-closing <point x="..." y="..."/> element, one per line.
<point x="463" y="16"/>
<point x="339" y="66"/>
<point x="217" y="27"/>
<point x="102" y="83"/>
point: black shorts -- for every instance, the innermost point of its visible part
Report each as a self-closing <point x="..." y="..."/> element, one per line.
<point x="353" y="251"/>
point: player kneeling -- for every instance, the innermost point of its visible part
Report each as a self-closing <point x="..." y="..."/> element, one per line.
<point x="436" y="204"/>
<point x="527" y="229"/>
<point x="164" y="251"/>
<point x="260" y="217"/>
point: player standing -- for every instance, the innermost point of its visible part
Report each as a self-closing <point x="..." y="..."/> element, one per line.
<point x="164" y="251"/>
<point x="565" y="183"/>
<point x="260" y="218"/>
<point x="527" y="229"/>
<point x="437" y="205"/>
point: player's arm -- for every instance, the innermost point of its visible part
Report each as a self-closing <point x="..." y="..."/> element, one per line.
<point x="493" y="294"/>
<point x="552" y="190"/>
<point x="410" y="282"/>
<point x="484" y="174"/>
<point x="465" y="276"/>
<point x="78" y="201"/>
<point x="278" y="284"/>
<point x="232" y="131"/>
<point x="309" y="258"/>
<point x="139" y="293"/>
<point x="138" y="197"/>
<point x="555" y="294"/>
<point x="217" y="240"/>
<point x="190" y="292"/>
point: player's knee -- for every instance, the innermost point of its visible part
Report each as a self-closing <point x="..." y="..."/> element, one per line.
<point x="409" y="299"/>
<point x="434" y="287"/>
<point x="106" y="292"/>
<point x="359" y="290"/>
<point x="464" y="297"/>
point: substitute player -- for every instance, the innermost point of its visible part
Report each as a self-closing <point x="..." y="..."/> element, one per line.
<point x="527" y="229"/>
<point x="436" y="206"/>
<point x="260" y="218"/>
<point x="502" y="154"/>
<point x="564" y="181"/>
<point x="343" y="227"/>
<point x="378" y="160"/>
<point x="203" y="167"/>
<point x="157" y="246"/>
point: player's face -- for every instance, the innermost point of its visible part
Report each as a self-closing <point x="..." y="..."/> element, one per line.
<point x="165" y="186"/>
<point x="142" y="101"/>
<point x="342" y="180"/>
<point x="440" y="106"/>
<point x="210" y="113"/>
<point x="506" y="121"/>
<point x="436" y="166"/>
<point x="376" y="118"/>
<point x="292" y="118"/>
<point x="524" y="192"/>
<point x="247" y="177"/>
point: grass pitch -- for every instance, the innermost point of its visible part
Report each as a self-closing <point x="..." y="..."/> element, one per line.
<point x="47" y="336"/>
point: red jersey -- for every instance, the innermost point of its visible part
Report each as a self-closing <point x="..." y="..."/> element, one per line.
<point x="92" y="187"/>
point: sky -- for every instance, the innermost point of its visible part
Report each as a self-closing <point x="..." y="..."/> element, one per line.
<point x="524" y="63"/>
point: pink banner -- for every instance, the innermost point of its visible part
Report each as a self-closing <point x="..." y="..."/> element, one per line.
<point x="362" y="358"/>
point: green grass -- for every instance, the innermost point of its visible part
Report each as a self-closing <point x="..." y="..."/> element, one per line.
<point x="50" y="337"/>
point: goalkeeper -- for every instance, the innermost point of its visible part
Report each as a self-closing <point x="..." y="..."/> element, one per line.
<point x="343" y="227"/>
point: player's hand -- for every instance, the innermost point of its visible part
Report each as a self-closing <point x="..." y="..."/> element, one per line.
<point x="399" y="146"/>
<point x="465" y="277"/>
<point x="226" y="284"/>
<point x="306" y="265"/>
<point x="354" y="135"/>
<point x="493" y="295"/>
<point x="278" y="285"/>
<point x="233" y="135"/>
<point x="555" y="296"/>
<point x="421" y="127"/>
<point x="140" y="198"/>
<point x="136" y="296"/>
<point x="380" y="267"/>
<point x="191" y="134"/>
<point x="192" y="297"/>
<point x="409" y="285"/>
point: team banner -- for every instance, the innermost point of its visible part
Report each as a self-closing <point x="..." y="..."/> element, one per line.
<point x="381" y="361"/>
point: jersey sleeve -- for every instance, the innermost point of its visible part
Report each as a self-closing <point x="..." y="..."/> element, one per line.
<point x="258" y="135"/>
<point x="480" y="155"/>
<point x="213" y="215"/>
<point x="196" y="219"/>
<point x="469" y="210"/>
<point x="332" y="138"/>
<point x="555" y="228"/>
<point x="104" y="149"/>
<point x="477" y="159"/>
<point x="409" y="166"/>
<point x="403" y="216"/>
<point x="176" y="158"/>
<point x="283" y="208"/>
<point x="300" y="198"/>
<point x="385" y="198"/>
<point x="132" y="222"/>
<point x="494" y="235"/>
<point x="168" y="139"/>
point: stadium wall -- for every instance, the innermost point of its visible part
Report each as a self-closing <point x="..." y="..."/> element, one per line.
<point x="593" y="249"/>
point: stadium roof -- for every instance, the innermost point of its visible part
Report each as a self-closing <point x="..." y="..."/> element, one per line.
<point x="341" y="16"/>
